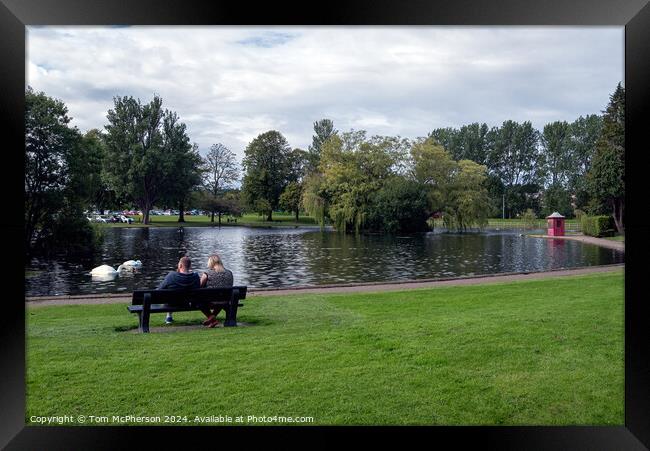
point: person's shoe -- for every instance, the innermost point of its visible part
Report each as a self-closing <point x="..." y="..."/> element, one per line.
<point x="214" y="323"/>
<point x="209" y="320"/>
<point x="169" y="319"/>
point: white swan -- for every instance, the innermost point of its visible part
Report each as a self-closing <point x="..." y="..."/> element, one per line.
<point x="131" y="264"/>
<point x="105" y="270"/>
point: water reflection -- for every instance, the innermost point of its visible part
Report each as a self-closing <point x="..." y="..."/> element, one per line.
<point x="301" y="256"/>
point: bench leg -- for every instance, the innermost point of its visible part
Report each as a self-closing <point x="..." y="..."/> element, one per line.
<point x="231" y="314"/>
<point x="145" y="314"/>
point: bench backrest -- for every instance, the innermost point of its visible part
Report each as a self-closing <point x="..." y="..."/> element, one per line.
<point x="197" y="295"/>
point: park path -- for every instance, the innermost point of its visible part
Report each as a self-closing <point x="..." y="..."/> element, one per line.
<point x="611" y="244"/>
<point x="345" y="288"/>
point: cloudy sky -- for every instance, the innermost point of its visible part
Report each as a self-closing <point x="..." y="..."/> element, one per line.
<point x="230" y="83"/>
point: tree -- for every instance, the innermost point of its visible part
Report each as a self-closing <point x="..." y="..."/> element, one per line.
<point x="144" y="144"/>
<point x="61" y="168"/>
<point x="433" y="168"/>
<point x="291" y="197"/>
<point x="401" y="205"/>
<point x="49" y="143"/>
<point x="514" y="158"/>
<point x="323" y="130"/>
<point x="456" y="188"/>
<point x="220" y="170"/>
<point x="222" y="204"/>
<point x="471" y="143"/>
<point x="556" y="141"/>
<point x="447" y="138"/>
<point x="267" y="172"/>
<point x="185" y="160"/>
<point x="557" y="198"/>
<point x="606" y="178"/>
<point x="315" y="197"/>
<point x="467" y="201"/>
<point x="353" y="168"/>
<point x="585" y="132"/>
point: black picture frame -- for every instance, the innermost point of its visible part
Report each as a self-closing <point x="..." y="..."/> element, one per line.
<point x="15" y="15"/>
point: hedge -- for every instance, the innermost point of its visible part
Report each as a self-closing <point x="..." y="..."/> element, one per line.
<point x="597" y="225"/>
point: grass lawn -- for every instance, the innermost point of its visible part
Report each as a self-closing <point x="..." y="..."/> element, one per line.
<point x="546" y="352"/>
<point x="248" y="219"/>
<point x="616" y="238"/>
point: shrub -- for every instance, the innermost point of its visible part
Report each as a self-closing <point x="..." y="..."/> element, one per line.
<point x="399" y="207"/>
<point x="70" y="233"/>
<point x="597" y="225"/>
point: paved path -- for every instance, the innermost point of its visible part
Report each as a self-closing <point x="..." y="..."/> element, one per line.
<point x="618" y="245"/>
<point x="345" y="288"/>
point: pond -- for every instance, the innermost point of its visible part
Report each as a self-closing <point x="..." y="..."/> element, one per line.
<point x="265" y="257"/>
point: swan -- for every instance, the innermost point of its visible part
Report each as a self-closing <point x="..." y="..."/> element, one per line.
<point x="105" y="270"/>
<point x="131" y="264"/>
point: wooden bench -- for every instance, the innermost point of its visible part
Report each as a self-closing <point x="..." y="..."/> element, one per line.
<point x="146" y="302"/>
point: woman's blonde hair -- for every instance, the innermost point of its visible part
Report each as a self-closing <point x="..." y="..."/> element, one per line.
<point x="215" y="263"/>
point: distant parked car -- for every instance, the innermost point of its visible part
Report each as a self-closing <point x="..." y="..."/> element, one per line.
<point x="100" y="219"/>
<point x="126" y="220"/>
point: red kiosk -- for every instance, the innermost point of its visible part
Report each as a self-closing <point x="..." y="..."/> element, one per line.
<point x="555" y="224"/>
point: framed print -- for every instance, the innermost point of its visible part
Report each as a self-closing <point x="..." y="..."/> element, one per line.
<point x="415" y="214"/>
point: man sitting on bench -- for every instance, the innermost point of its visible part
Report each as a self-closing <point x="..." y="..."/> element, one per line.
<point x="183" y="277"/>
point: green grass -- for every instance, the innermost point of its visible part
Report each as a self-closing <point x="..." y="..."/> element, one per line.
<point x="249" y="219"/>
<point x="616" y="238"/>
<point x="546" y="352"/>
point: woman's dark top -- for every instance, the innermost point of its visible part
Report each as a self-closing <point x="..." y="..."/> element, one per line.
<point x="217" y="279"/>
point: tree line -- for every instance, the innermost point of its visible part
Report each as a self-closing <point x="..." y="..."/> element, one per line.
<point x="144" y="157"/>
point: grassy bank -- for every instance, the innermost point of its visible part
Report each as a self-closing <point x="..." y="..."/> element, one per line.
<point x="249" y="219"/>
<point x="543" y="352"/>
<point x="570" y="225"/>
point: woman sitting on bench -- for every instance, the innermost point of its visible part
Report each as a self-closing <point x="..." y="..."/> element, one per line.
<point x="217" y="276"/>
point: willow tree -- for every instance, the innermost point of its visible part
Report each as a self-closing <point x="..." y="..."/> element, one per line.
<point x="455" y="188"/>
<point x="353" y="168"/>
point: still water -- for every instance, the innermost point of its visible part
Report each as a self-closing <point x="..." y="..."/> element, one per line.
<point x="307" y="256"/>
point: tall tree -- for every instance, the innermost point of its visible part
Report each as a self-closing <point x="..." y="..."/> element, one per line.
<point x="585" y="132"/>
<point x="220" y="170"/>
<point x="606" y="177"/>
<point x="61" y="168"/>
<point x="185" y="160"/>
<point x="299" y="164"/>
<point x="267" y="171"/>
<point x="447" y="137"/>
<point x="149" y="157"/>
<point x="471" y="143"/>
<point x="514" y="158"/>
<point x="556" y="142"/>
<point x="49" y="143"/>
<point x="323" y="130"/>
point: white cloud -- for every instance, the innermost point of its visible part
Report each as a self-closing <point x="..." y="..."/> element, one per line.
<point x="229" y="84"/>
